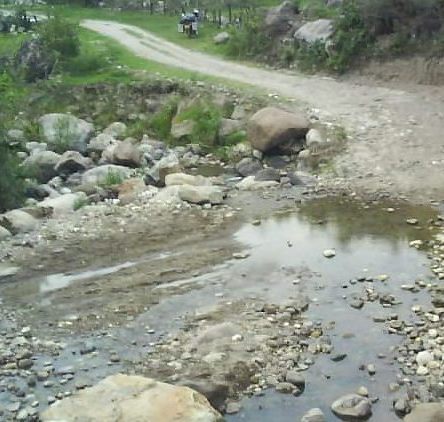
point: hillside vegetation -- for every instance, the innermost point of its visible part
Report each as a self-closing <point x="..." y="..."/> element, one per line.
<point x="362" y="29"/>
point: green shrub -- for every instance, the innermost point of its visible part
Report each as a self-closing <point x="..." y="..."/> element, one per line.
<point x="84" y="64"/>
<point x="112" y="178"/>
<point x="350" y="41"/>
<point x="161" y="121"/>
<point x="206" y="117"/>
<point x="235" y="138"/>
<point x="12" y="180"/>
<point x="250" y="40"/>
<point x="315" y="9"/>
<point x="60" y="37"/>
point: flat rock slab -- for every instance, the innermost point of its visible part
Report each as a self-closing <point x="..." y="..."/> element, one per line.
<point x="133" y="398"/>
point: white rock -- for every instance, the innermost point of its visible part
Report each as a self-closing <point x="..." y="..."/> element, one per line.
<point x="201" y="194"/>
<point x="423" y="358"/>
<point x="133" y="398"/>
<point x="329" y="253"/>
<point x="174" y="179"/>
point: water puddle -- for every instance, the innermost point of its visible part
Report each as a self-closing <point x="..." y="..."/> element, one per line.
<point x="286" y="260"/>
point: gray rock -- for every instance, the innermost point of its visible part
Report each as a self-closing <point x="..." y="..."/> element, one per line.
<point x="133" y="398"/>
<point x="33" y="147"/>
<point x="229" y="126"/>
<point x="295" y="378"/>
<point x="72" y="162"/>
<point x="314" y="415"/>
<point x="4" y="233"/>
<point x="41" y="165"/>
<point x="182" y="129"/>
<point x="100" y="143"/>
<point x="167" y="165"/>
<point x="221" y="38"/>
<point x="352" y="406"/>
<point x="18" y="221"/>
<point x="285" y="387"/>
<point x="174" y="179"/>
<point x="66" y="132"/>
<point x="101" y="174"/>
<point x="267" y="175"/>
<point x="63" y="204"/>
<point x="16" y="135"/>
<point x="426" y="412"/>
<point x="33" y="60"/>
<point x="312" y="32"/>
<point x="280" y="19"/>
<point x="126" y="154"/>
<point x="248" y="166"/>
<point x="116" y="130"/>
<point x="272" y="127"/>
<point x="201" y="194"/>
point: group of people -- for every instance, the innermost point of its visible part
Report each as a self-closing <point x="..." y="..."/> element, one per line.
<point x="188" y="23"/>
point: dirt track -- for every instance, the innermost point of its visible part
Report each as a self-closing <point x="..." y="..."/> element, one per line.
<point x="397" y="143"/>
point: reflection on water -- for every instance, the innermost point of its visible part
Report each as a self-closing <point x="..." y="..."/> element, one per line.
<point x="368" y="242"/>
<point x="59" y="281"/>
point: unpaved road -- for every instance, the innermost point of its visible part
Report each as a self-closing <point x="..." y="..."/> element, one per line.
<point x="397" y="141"/>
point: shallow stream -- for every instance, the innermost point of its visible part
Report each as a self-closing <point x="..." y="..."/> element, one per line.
<point x="285" y="260"/>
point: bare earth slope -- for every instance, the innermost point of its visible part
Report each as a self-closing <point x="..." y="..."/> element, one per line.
<point x="398" y="142"/>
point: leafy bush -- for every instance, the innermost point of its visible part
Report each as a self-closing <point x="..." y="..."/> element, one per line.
<point x="60" y="37"/>
<point x="161" y="121"/>
<point x="83" y="64"/>
<point x="12" y="180"/>
<point x="350" y="41"/>
<point x="206" y="117"/>
<point x="250" y="40"/>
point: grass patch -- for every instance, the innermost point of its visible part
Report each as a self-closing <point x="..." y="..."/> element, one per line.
<point x="10" y="43"/>
<point x="112" y="178"/>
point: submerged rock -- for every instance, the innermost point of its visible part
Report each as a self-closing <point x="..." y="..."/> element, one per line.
<point x="352" y="406"/>
<point x="314" y="415"/>
<point x="133" y="398"/>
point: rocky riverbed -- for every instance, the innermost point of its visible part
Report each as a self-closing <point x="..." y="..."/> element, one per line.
<point x="276" y="293"/>
<point x="260" y="334"/>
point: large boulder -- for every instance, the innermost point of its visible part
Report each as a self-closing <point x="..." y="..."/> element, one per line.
<point x="201" y="194"/>
<point x="126" y="154"/>
<point x="33" y="60"/>
<point x="320" y="30"/>
<point x="63" y="204"/>
<point x="352" y="406"/>
<point x="72" y="162"/>
<point x="177" y="179"/>
<point x="106" y="174"/>
<point x="133" y="398"/>
<point x="18" y="221"/>
<point x="248" y="166"/>
<point x="280" y="19"/>
<point x="272" y="127"/>
<point x="41" y="165"/>
<point x="66" y="132"/>
<point x="426" y="412"/>
<point x="221" y="38"/>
